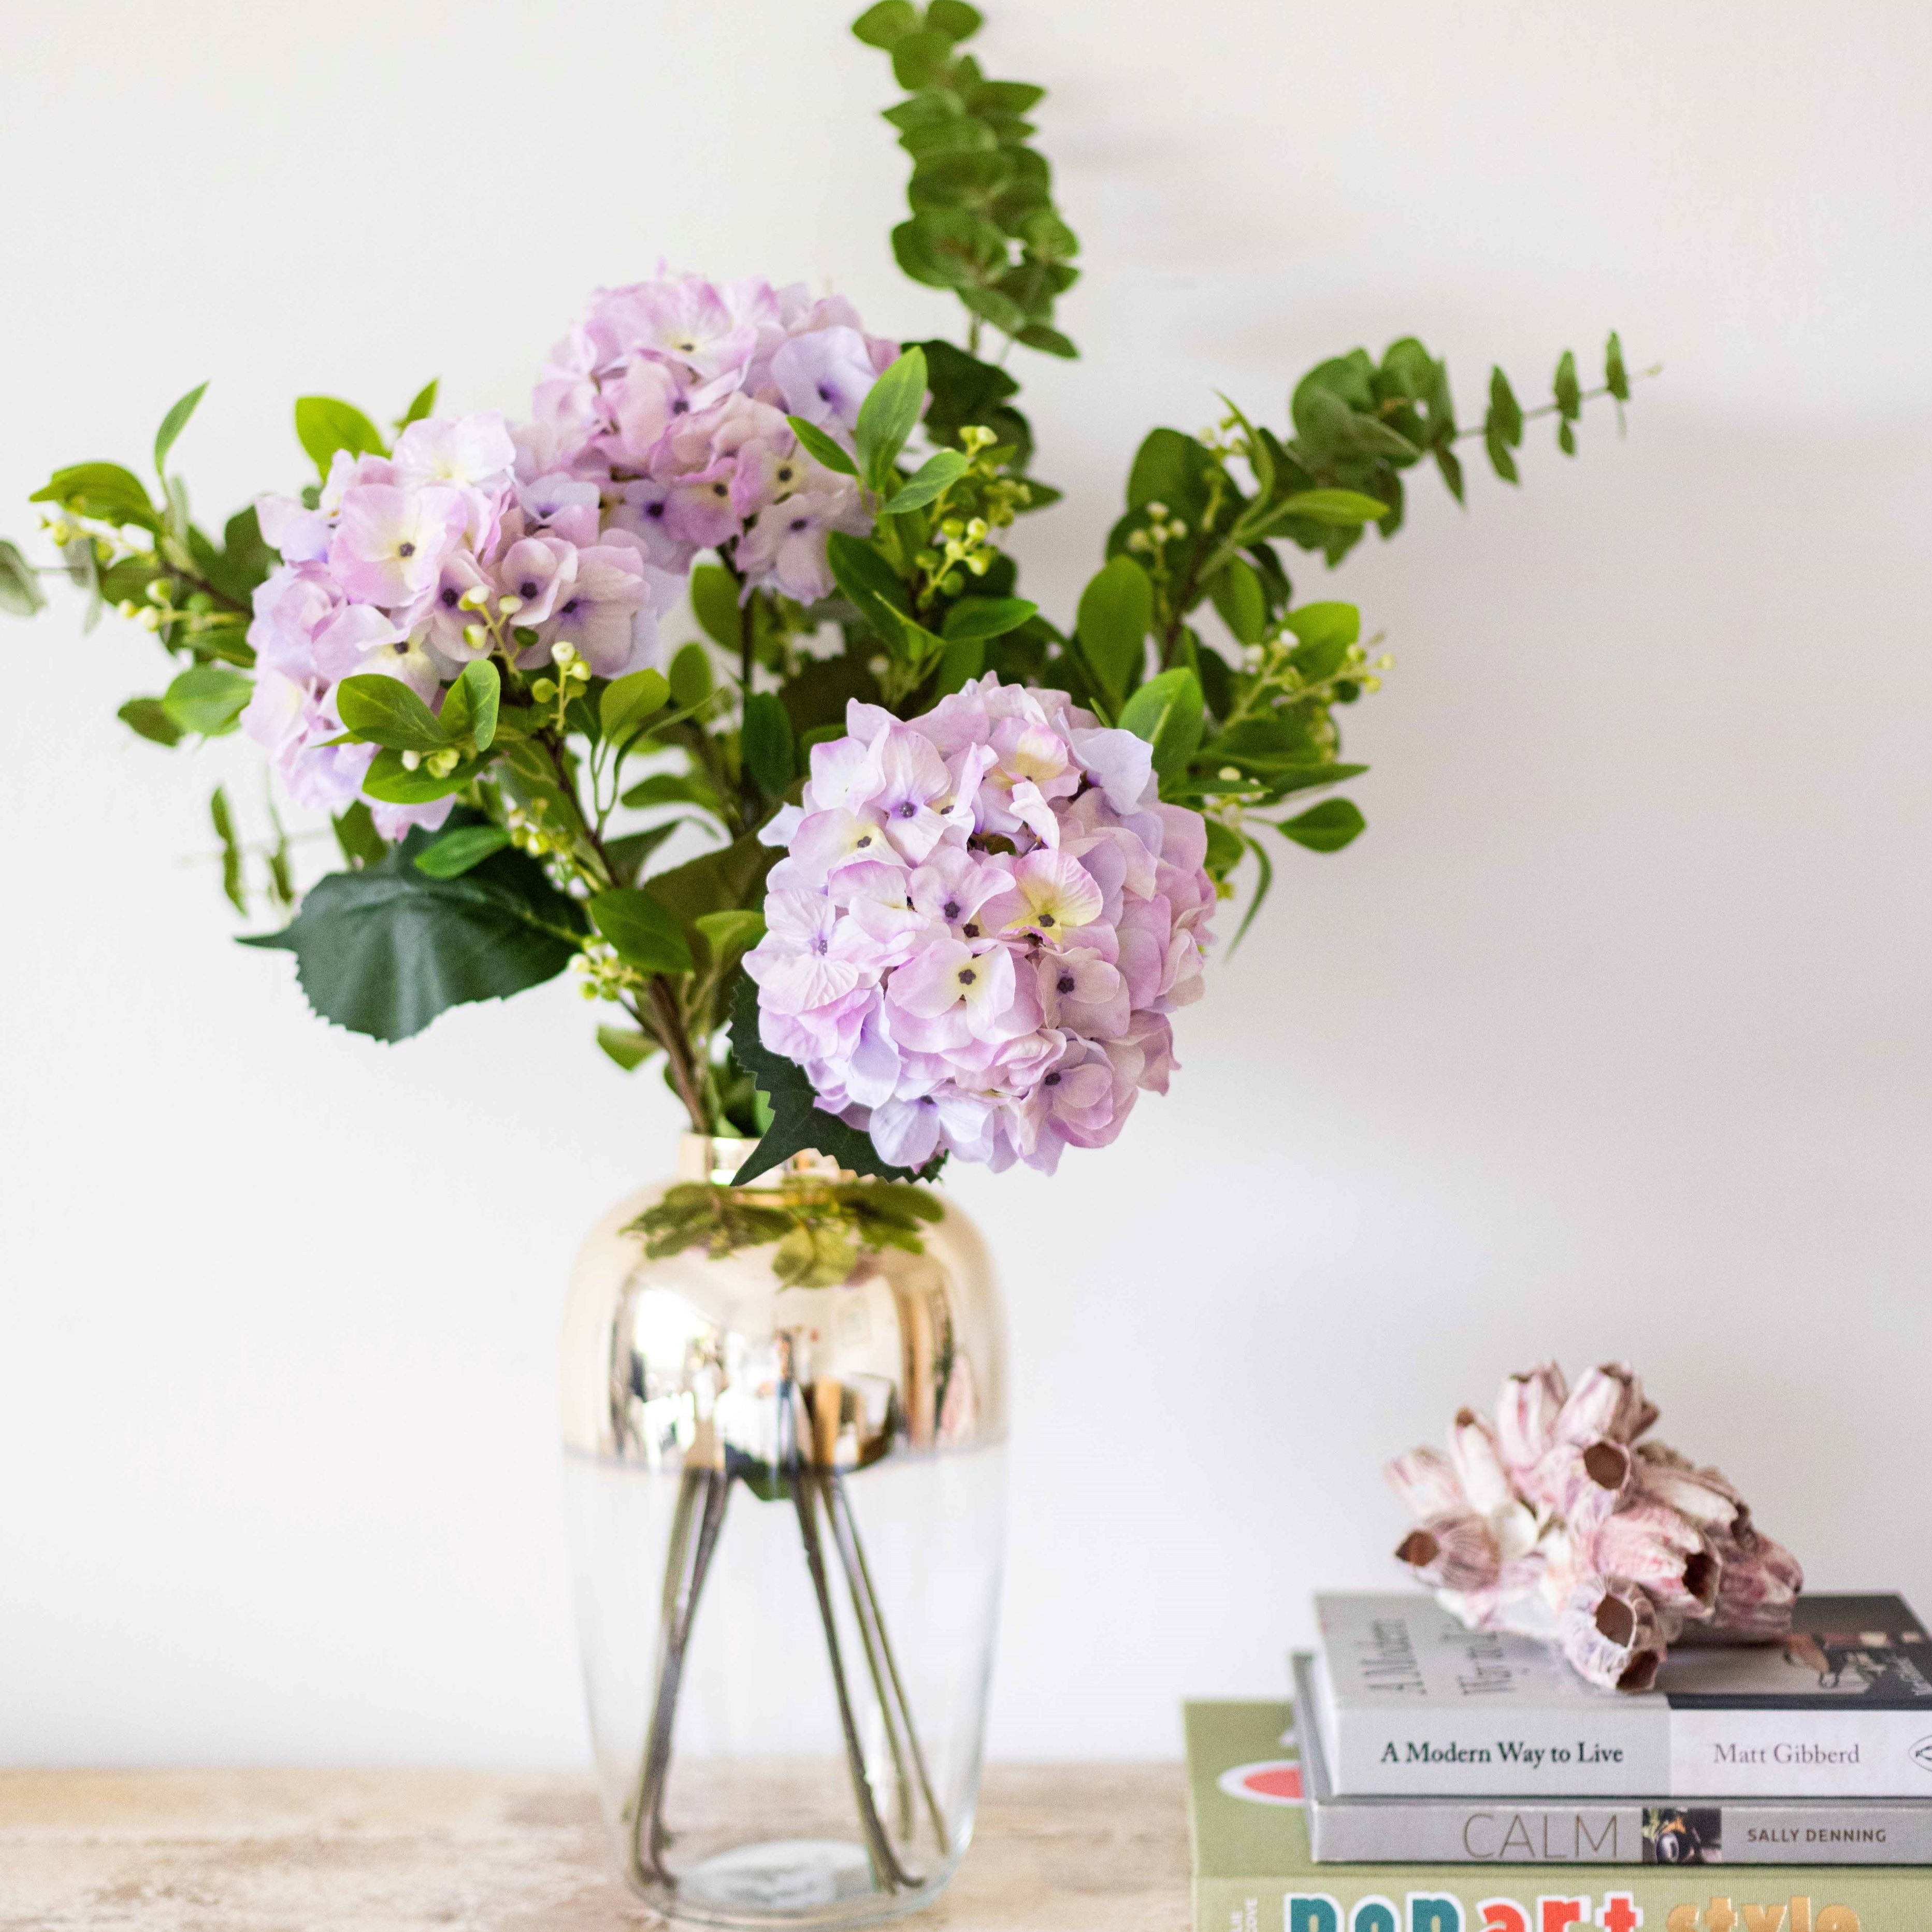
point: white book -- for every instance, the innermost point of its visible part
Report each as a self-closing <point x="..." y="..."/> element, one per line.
<point x="1652" y="1831"/>
<point x="1414" y="1704"/>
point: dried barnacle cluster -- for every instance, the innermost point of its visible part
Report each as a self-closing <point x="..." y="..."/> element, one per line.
<point x="1554" y="1520"/>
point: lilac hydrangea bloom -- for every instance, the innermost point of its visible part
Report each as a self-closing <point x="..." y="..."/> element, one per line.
<point x="373" y="581"/>
<point x="671" y="396"/>
<point x="982" y="922"/>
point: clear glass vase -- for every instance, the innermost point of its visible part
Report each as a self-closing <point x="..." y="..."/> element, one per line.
<point x="787" y="1515"/>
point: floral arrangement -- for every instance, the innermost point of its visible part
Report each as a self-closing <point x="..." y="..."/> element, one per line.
<point x="1555" y="1521"/>
<point x="1002" y="837"/>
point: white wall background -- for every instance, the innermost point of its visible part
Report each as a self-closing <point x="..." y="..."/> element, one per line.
<point x="1612" y="1038"/>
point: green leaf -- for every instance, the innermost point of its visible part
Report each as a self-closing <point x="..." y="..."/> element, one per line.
<point x="1326" y="827"/>
<point x="954" y="18"/>
<point x="470" y="704"/>
<point x="646" y="933"/>
<point x="208" y="699"/>
<point x="629" y="701"/>
<point x="324" y="425"/>
<point x="765" y="744"/>
<point x="1616" y="377"/>
<point x="629" y="854"/>
<point x="932" y="479"/>
<point x="987" y="617"/>
<point x="390" y="780"/>
<point x="456" y="852"/>
<point x="691" y="682"/>
<point x="1172" y="468"/>
<point x="384" y="950"/>
<point x="149" y="716"/>
<point x="1116" y="610"/>
<point x="672" y="788"/>
<point x="224" y="822"/>
<point x="103" y="491"/>
<point x="822" y="448"/>
<point x="1502" y="428"/>
<point x="1264" y="884"/>
<point x="381" y="710"/>
<point x="423" y="405"/>
<point x="919" y="58"/>
<point x="355" y="833"/>
<point x="963" y="660"/>
<point x="887" y="416"/>
<point x="1168" y="711"/>
<point x="729" y="933"/>
<point x="869" y="582"/>
<point x="629" y="1049"/>
<point x="890" y="20"/>
<point x="714" y="603"/>
<point x="1048" y="341"/>
<point x="20" y="595"/>
<point x="1225" y="848"/>
<point x="720" y="881"/>
<point x="797" y="1123"/>
<point x="1343" y="508"/>
<point x="1240" y="601"/>
<point x="173" y="423"/>
<point x="1568" y="392"/>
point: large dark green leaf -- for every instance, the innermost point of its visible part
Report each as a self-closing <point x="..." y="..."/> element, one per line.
<point x="798" y="1123"/>
<point x="384" y="950"/>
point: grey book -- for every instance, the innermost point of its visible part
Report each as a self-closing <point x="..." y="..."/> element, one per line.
<point x="1641" y="1831"/>
<point x="1414" y="1704"/>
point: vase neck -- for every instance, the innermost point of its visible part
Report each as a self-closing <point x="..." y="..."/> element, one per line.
<point x="716" y="1158"/>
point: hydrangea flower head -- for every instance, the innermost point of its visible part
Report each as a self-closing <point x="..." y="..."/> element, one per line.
<point x="673" y="395"/>
<point x="373" y="581"/>
<point x="982" y="922"/>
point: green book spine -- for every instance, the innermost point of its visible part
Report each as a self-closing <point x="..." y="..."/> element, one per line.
<point x="1253" y="1872"/>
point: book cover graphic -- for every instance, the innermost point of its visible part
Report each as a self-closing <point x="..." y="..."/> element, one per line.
<point x="1253" y="1872"/>
<point x="1843" y="1653"/>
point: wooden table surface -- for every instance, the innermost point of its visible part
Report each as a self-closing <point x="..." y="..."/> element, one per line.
<point x="1059" y="1848"/>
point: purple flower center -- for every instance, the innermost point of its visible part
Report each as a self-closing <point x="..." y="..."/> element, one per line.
<point x="450" y="600"/>
<point x="801" y="522"/>
<point x="1065" y="982"/>
<point x="406" y="550"/>
<point x="966" y="976"/>
<point x="1046" y="919"/>
<point x="653" y="509"/>
<point x="527" y="589"/>
<point x="971" y="930"/>
<point x="1051" y="1080"/>
<point x="950" y="910"/>
<point x="680" y="407"/>
<point x="821" y="945"/>
<point x="568" y="608"/>
<point x="908" y="810"/>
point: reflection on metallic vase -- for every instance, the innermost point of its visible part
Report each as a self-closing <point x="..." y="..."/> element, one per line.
<point x="786" y="1512"/>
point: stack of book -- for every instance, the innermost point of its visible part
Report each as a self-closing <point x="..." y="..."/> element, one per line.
<point x="1418" y="1756"/>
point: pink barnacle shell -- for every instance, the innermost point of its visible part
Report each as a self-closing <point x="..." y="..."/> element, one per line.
<point x="1479" y="1467"/>
<point x="1425" y="1481"/>
<point x="1609" y="1633"/>
<point x="1457" y="1552"/>
<point x="1760" y="1583"/>
<point x="1590" y="1480"/>
<point x="1665" y="1553"/>
<point x="1702" y="1495"/>
<point x="1608" y="1401"/>
<point x="1526" y="1412"/>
